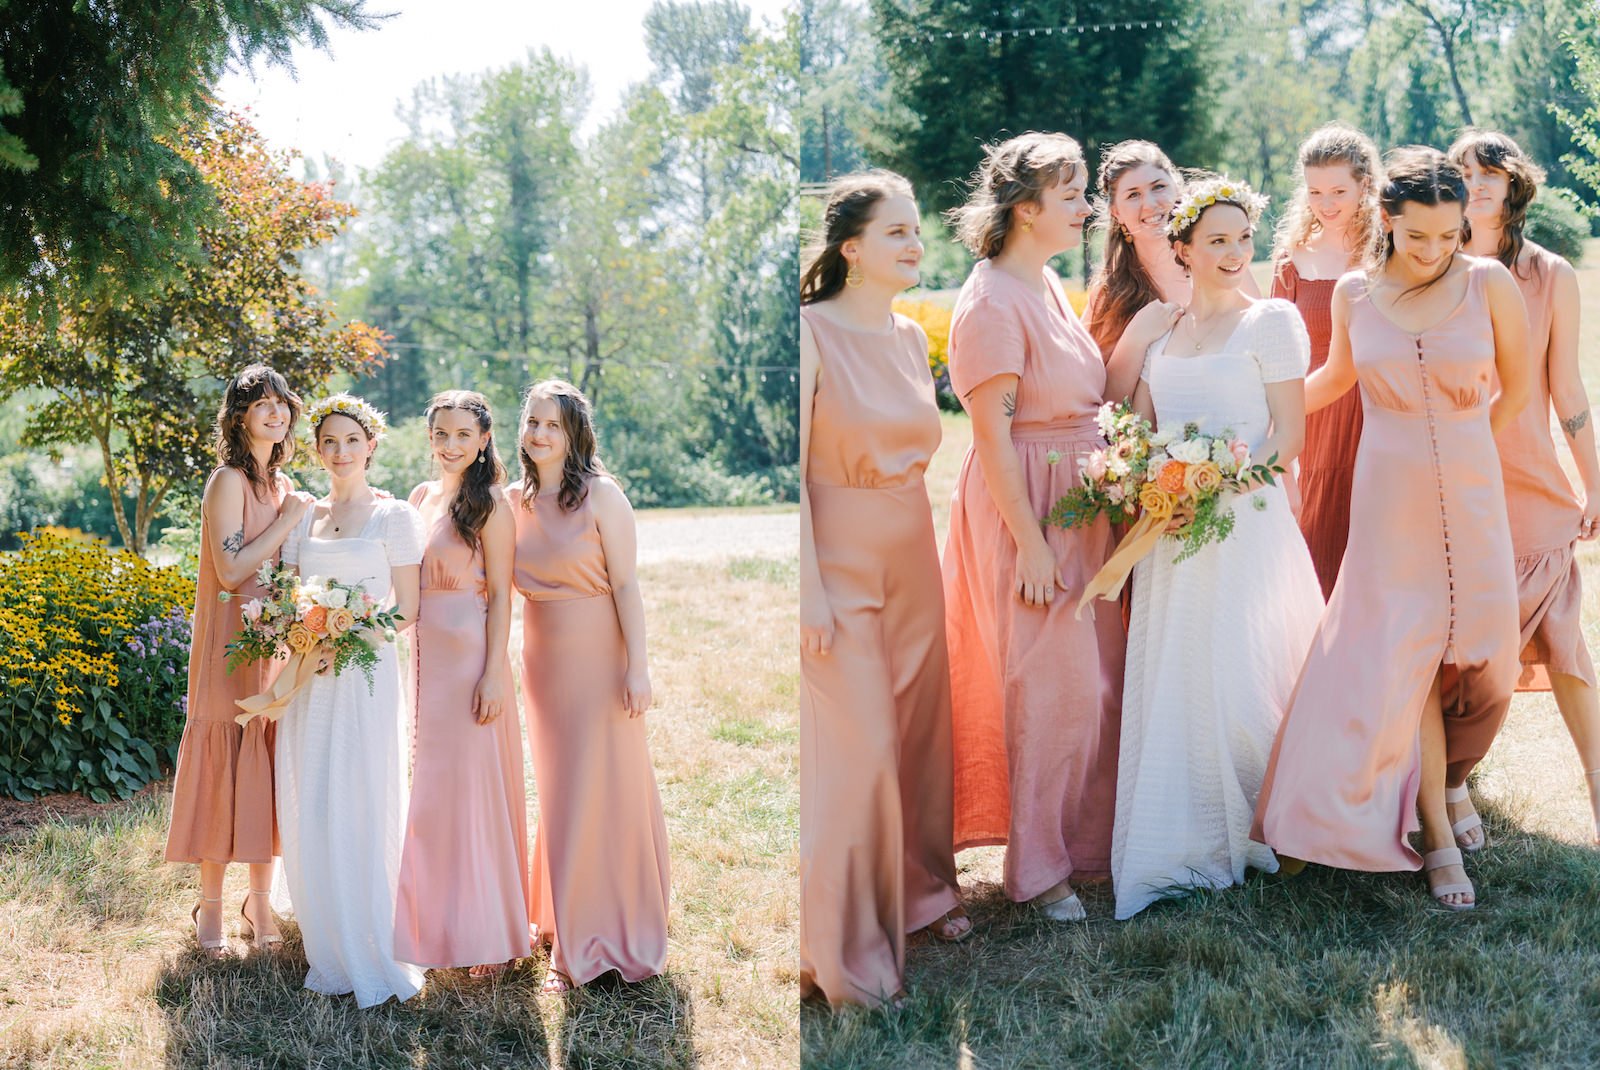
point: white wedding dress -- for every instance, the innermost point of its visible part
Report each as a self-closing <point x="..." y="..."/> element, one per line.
<point x="341" y="780"/>
<point x="1216" y="642"/>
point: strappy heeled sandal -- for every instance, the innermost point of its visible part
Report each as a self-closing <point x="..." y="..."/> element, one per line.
<point x="247" y="928"/>
<point x="1456" y="796"/>
<point x="1069" y="908"/>
<point x="1448" y="856"/>
<point x="213" y="949"/>
<point x="936" y="928"/>
<point x="556" y="983"/>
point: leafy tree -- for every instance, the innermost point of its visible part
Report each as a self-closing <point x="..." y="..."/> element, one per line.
<point x="841" y="88"/>
<point x="92" y="99"/>
<point x="140" y="376"/>
<point x="1583" y="120"/>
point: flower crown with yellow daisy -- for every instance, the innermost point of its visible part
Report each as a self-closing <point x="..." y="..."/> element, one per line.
<point x="371" y="420"/>
<point x="1201" y="193"/>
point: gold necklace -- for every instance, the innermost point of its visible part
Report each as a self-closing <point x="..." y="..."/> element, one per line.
<point x="1201" y="339"/>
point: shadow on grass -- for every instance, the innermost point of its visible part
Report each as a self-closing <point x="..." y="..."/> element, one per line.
<point x="1327" y="969"/>
<point x="611" y="1024"/>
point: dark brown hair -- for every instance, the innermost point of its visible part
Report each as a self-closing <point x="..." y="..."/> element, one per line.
<point x="1121" y="285"/>
<point x="1498" y="152"/>
<point x="1016" y="171"/>
<point x="1417" y="174"/>
<point x="473" y="503"/>
<point x="577" y="423"/>
<point x="232" y="441"/>
<point x="852" y="202"/>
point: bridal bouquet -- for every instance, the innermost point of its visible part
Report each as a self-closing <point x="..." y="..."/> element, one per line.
<point x="1177" y="479"/>
<point x="300" y="620"/>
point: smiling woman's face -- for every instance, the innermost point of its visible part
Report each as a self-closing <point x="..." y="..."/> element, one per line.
<point x="343" y="446"/>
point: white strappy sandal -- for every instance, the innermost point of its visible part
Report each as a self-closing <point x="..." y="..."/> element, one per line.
<point x="1448" y="856"/>
<point x="213" y="948"/>
<point x="1468" y="823"/>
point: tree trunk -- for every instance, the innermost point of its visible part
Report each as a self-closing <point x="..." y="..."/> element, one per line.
<point x="114" y="488"/>
<point x="591" y="355"/>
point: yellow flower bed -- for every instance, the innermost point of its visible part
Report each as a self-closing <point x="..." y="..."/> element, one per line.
<point x="934" y="318"/>
<point x="68" y="607"/>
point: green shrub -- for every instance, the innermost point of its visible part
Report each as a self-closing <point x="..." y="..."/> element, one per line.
<point x="1556" y="221"/>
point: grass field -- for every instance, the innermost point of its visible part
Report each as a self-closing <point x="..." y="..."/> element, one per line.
<point x="1328" y="969"/>
<point x="97" y="971"/>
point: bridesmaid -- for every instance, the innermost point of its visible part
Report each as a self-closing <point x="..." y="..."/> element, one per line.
<point x="599" y="875"/>
<point x="1136" y="189"/>
<point x="1330" y="227"/>
<point x="1036" y="692"/>
<point x="1424" y="617"/>
<point x="463" y="894"/>
<point x="1547" y="517"/>
<point x="222" y="800"/>
<point x="875" y="794"/>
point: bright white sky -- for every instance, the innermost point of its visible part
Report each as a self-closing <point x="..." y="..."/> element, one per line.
<point x="342" y="102"/>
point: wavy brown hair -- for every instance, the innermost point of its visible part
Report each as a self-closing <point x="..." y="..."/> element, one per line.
<point x="1496" y="151"/>
<point x="1121" y="285"/>
<point x="473" y="503"/>
<point x="1332" y="144"/>
<point x="852" y="202"/>
<point x="1016" y="171"/>
<point x="232" y="442"/>
<point x="582" y="462"/>
<point x="1417" y="174"/>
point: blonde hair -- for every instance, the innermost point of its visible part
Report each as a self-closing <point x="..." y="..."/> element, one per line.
<point x="1016" y="171"/>
<point x="1330" y="144"/>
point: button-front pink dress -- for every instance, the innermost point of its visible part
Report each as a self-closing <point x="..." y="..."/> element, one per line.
<point x="222" y="797"/>
<point x="875" y="768"/>
<point x="1036" y="693"/>
<point x="1427" y="581"/>
<point x="599" y="876"/>
<point x="463" y="893"/>
<point x="1544" y="509"/>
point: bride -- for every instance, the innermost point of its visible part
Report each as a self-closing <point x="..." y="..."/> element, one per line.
<point x="341" y="759"/>
<point x="1216" y="641"/>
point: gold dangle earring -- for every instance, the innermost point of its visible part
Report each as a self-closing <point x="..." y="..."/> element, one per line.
<point x="853" y="277"/>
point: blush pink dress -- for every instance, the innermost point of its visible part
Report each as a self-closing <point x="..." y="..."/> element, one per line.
<point x="222" y="797"/>
<point x="875" y="767"/>
<point x="1544" y="509"/>
<point x="1427" y="581"/>
<point x="463" y="893"/>
<point x="1036" y="693"/>
<point x="599" y="876"/>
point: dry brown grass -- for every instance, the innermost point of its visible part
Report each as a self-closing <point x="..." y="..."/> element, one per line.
<point x="95" y="962"/>
<point x="1329" y="969"/>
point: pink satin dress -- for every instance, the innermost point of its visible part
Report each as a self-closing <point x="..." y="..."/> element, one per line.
<point x="1427" y="582"/>
<point x="875" y="768"/>
<point x="1036" y="693"/>
<point x="599" y="877"/>
<point x="463" y="892"/>
<point x="223" y="806"/>
<point x="1544" y="509"/>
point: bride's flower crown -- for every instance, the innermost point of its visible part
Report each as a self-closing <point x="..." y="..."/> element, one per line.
<point x="1203" y="193"/>
<point x="371" y="420"/>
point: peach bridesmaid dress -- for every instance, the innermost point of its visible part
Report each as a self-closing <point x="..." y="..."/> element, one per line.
<point x="1036" y="693"/>
<point x="463" y="893"/>
<point x="222" y="800"/>
<point x="875" y="767"/>
<point x="599" y="879"/>
<point x="1427" y="581"/>
<point x="1544" y="509"/>
<point x="1327" y="463"/>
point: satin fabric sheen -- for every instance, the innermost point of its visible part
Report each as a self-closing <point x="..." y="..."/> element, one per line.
<point x="599" y="877"/>
<point x="1035" y="692"/>
<point x="1427" y="581"/>
<point x="876" y="859"/>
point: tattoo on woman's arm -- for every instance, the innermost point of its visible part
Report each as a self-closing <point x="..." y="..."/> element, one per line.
<point x="1009" y="403"/>
<point x="234" y="543"/>
<point x="1573" y="424"/>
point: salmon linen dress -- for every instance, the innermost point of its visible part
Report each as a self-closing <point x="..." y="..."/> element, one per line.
<point x="222" y="798"/>
<point x="1327" y="462"/>
<point x="463" y="893"/>
<point x="1544" y="509"/>
<point x="875" y="769"/>
<point x="599" y="879"/>
<point x="1428" y="581"/>
<point x="1036" y="693"/>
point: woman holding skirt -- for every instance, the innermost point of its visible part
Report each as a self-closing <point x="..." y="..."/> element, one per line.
<point x="599" y="879"/>
<point x="875" y="796"/>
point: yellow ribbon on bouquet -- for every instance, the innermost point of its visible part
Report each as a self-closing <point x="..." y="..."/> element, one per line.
<point x="272" y="702"/>
<point x="1141" y="539"/>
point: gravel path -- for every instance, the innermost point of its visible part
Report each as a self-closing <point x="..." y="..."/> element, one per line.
<point x="717" y="536"/>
